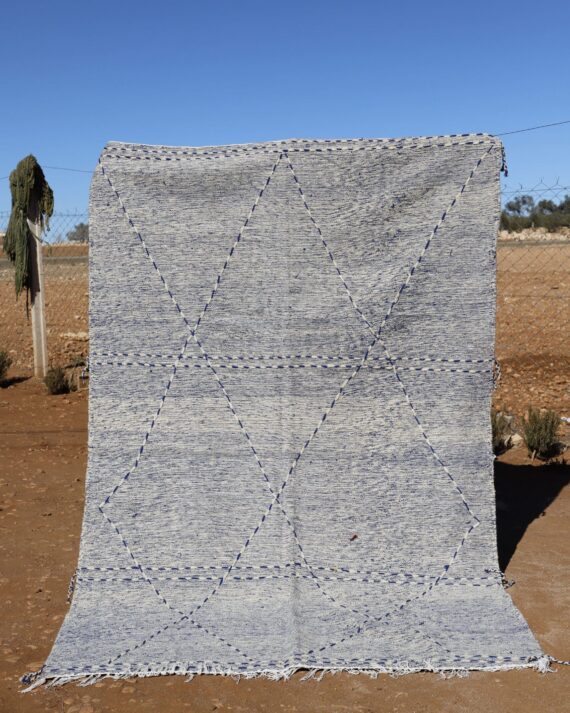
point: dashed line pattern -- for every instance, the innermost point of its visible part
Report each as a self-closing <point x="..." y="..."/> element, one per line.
<point x="198" y="365"/>
<point x="147" y="153"/>
<point x="255" y="357"/>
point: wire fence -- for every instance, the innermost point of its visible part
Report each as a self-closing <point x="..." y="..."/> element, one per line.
<point x="533" y="301"/>
<point x="65" y="259"/>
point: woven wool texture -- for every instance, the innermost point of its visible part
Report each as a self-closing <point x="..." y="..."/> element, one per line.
<point x="289" y="439"/>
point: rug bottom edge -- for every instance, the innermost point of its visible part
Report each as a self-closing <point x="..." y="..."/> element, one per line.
<point x="87" y="678"/>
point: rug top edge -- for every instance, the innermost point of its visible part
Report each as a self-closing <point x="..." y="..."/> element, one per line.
<point x="442" y="139"/>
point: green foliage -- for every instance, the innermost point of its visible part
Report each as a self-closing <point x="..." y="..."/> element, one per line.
<point x="540" y="430"/>
<point x="500" y="428"/>
<point x="521" y="205"/>
<point x="522" y="212"/>
<point x="30" y="190"/>
<point x="5" y="363"/>
<point x="79" y="234"/>
<point x="57" y="381"/>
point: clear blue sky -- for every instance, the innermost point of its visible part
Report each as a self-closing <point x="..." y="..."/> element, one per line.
<point x="197" y="73"/>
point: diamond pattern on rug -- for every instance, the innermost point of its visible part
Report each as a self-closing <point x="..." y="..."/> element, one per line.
<point x="274" y="487"/>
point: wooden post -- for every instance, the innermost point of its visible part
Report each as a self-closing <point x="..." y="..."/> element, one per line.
<point x="39" y="333"/>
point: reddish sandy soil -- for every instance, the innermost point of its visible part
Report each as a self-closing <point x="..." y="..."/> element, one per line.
<point x="42" y="466"/>
<point x="66" y="308"/>
<point x="533" y="326"/>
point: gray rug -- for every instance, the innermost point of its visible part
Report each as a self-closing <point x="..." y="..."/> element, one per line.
<point x="289" y="441"/>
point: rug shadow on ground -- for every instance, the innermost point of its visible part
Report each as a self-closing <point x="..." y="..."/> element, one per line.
<point x="524" y="492"/>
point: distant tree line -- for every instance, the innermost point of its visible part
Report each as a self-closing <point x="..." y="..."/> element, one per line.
<point x="522" y="212"/>
<point x="79" y="234"/>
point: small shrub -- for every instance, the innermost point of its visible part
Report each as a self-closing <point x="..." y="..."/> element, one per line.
<point x="77" y="361"/>
<point x="5" y="363"/>
<point x="540" y="430"/>
<point x="500" y="427"/>
<point x="57" y="381"/>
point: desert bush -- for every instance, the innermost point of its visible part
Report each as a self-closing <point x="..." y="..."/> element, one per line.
<point x="77" y="361"/>
<point x="57" y="381"/>
<point x="500" y="427"/>
<point x="5" y="363"/>
<point x="540" y="429"/>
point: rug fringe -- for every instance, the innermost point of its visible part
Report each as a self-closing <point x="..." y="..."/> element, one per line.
<point x="37" y="679"/>
<point x="71" y="587"/>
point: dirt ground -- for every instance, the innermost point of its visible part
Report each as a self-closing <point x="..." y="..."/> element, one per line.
<point x="42" y="465"/>
<point x="66" y="308"/>
<point x="533" y="326"/>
